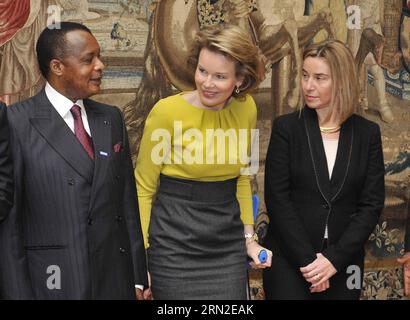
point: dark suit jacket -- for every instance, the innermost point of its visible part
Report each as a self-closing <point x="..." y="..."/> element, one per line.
<point x="300" y="198"/>
<point x="70" y="212"/>
<point x="6" y="170"/>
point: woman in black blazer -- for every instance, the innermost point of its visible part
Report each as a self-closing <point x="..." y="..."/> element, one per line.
<point x="324" y="184"/>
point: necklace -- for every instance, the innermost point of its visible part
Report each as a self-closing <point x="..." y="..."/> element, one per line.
<point x="329" y="129"/>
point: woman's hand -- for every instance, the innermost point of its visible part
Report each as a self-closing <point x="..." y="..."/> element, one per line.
<point x="320" y="288"/>
<point x="319" y="272"/>
<point x="253" y="249"/>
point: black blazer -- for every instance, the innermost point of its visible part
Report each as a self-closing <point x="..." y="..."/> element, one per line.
<point x="6" y="170"/>
<point x="71" y="212"/>
<point x="301" y="200"/>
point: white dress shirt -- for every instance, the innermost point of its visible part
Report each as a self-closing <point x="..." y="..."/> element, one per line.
<point x="63" y="105"/>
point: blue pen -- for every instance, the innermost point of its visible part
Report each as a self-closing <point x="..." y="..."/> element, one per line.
<point x="263" y="256"/>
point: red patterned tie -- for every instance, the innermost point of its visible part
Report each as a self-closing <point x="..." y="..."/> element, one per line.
<point x="80" y="132"/>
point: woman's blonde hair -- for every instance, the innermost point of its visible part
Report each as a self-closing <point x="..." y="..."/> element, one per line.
<point x="345" y="85"/>
<point x="233" y="42"/>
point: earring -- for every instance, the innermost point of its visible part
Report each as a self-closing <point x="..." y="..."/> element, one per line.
<point x="237" y="91"/>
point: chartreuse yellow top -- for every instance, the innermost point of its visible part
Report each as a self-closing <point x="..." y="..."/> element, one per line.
<point x="184" y="141"/>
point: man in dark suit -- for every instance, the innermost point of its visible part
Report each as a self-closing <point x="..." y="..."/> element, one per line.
<point x="6" y="174"/>
<point x="74" y="230"/>
<point x="405" y="260"/>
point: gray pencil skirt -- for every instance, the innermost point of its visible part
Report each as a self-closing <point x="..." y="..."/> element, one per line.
<point x="197" y="248"/>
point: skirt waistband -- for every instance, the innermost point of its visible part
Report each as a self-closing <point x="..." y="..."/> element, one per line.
<point x="195" y="190"/>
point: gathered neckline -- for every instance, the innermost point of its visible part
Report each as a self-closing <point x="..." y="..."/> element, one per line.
<point x="227" y="107"/>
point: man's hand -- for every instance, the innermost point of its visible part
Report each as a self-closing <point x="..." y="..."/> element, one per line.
<point x="143" y="294"/>
<point x="138" y="294"/>
<point x="319" y="272"/>
<point x="405" y="261"/>
<point x="147" y="294"/>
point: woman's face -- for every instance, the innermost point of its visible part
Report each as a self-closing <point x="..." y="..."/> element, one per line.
<point x="317" y="83"/>
<point x="215" y="78"/>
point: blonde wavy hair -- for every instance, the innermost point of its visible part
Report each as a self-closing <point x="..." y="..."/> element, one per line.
<point x="233" y="42"/>
<point x="345" y="85"/>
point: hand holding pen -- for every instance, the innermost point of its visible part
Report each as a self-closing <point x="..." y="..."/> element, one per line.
<point x="260" y="257"/>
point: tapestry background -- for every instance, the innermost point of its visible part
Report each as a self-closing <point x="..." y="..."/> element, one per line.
<point x="138" y="39"/>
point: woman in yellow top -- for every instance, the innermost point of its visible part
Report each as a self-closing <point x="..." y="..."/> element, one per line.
<point x="193" y="175"/>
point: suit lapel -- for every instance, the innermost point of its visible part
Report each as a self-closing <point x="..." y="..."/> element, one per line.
<point x="55" y="131"/>
<point x="100" y="126"/>
<point x="317" y="152"/>
<point x="343" y="157"/>
<point x="329" y="188"/>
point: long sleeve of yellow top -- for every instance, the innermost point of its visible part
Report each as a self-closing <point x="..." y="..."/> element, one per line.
<point x="180" y="140"/>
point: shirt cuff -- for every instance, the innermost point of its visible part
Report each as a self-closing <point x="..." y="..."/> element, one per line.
<point x="138" y="286"/>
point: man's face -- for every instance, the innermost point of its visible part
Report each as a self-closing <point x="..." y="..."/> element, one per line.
<point x="81" y="68"/>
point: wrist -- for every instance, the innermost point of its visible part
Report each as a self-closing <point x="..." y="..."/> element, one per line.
<point x="251" y="237"/>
